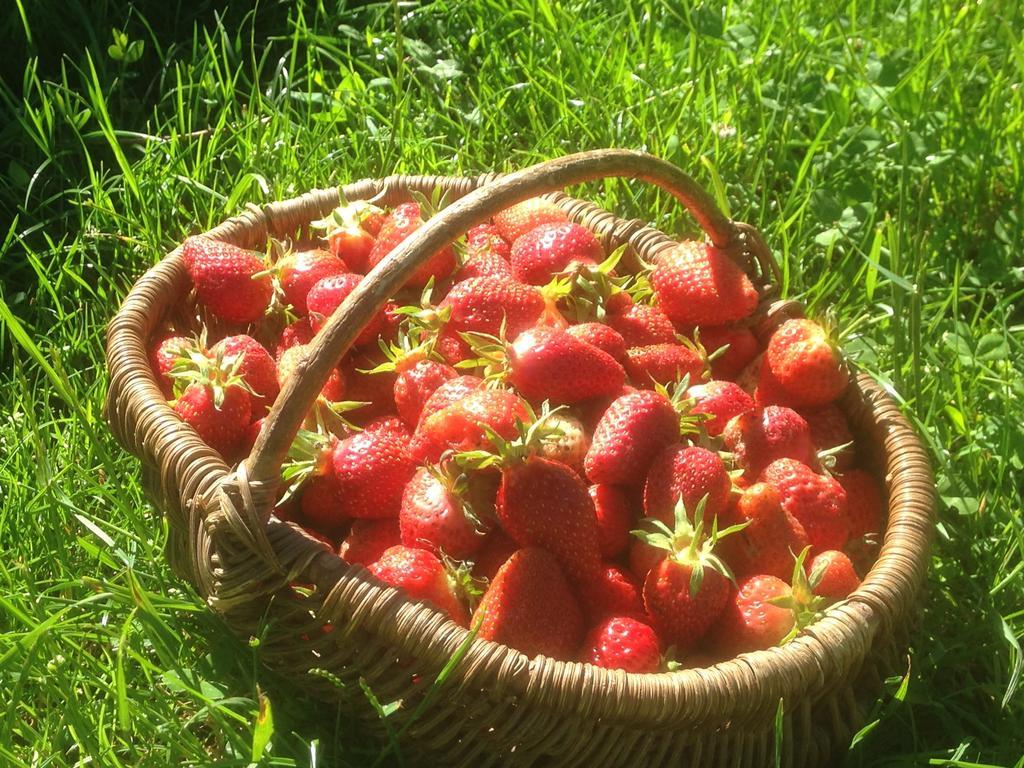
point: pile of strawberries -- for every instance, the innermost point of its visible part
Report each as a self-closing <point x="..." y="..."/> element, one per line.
<point x="572" y="457"/>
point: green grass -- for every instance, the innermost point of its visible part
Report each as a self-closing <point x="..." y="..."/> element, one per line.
<point x="879" y="149"/>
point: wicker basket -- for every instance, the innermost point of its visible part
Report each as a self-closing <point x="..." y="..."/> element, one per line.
<point x="499" y="707"/>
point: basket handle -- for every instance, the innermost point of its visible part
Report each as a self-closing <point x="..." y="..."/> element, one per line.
<point x="358" y="309"/>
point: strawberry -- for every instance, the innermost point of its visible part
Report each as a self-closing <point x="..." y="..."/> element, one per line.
<point x="292" y="363"/>
<point x="367" y="540"/>
<point x="663" y="364"/>
<point x="529" y="214"/>
<point x="464" y="425"/>
<point x="435" y="515"/>
<point x="614" y="518"/>
<point x="482" y="263"/>
<point x="400" y="223"/>
<point x="486" y="237"/>
<point x="350" y="230"/>
<point x="483" y="304"/>
<point x="760" y="436"/>
<point x="568" y="442"/>
<point x="830" y="434"/>
<point x="718" y="401"/>
<point x="643" y="557"/>
<point x="449" y="393"/>
<point x="165" y="352"/>
<point x="497" y="547"/>
<point x="328" y="294"/>
<point x="615" y="593"/>
<point x="417" y="375"/>
<point x="771" y="539"/>
<point x="752" y="620"/>
<point x="801" y="367"/>
<point x="865" y="503"/>
<point x="542" y="252"/>
<point x="550" y="364"/>
<point x="621" y="642"/>
<point x="634" y="428"/>
<point x="531" y="607"/>
<point x="375" y="389"/>
<point x="530" y="489"/>
<point x="232" y="282"/>
<point x="698" y="284"/>
<point x="688" y="472"/>
<point x="832" y="575"/>
<point x="319" y="501"/>
<point x="642" y="325"/>
<point x="293" y="335"/>
<point x="423" y="577"/>
<point x="297" y="272"/>
<point x="603" y="337"/>
<point x="255" y="367"/>
<point x="736" y="347"/>
<point x="685" y="593"/>
<point x="215" y="401"/>
<point x="372" y="469"/>
<point x="817" y="501"/>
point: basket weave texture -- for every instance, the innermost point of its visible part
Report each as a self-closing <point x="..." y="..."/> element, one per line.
<point x="498" y="706"/>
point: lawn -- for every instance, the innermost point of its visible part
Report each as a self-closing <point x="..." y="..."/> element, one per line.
<point x="879" y="148"/>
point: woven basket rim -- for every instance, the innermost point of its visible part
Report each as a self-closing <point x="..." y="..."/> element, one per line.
<point x="730" y="689"/>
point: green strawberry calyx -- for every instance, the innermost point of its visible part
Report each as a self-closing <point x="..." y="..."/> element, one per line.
<point x="218" y="371"/>
<point x="531" y="435"/>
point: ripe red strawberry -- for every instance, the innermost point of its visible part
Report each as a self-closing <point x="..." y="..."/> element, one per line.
<point x="642" y="325"/>
<point x="400" y="223"/>
<point x="531" y="607"/>
<point x="334" y="388"/>
<point x="817" y="501"/>
<point x="742" y="348"/>
<point x="368" y="539"/>
<point x="690" y="472"/>
<point x="634" y="428"/>
<point x="832" y="575"/>
<point x="615" y="593"/>
<point x="760" y="436"/>
<point x="801" y="367"/>
<point x="615" y="519"/>
<point x="495" y="550"/>
<point x="601" y="336"/>
<point x="449" y="393"/>
<point x="530" y="489"/>
<point x="254" y="366"/>
<point x="372" y="469"/>
<point x="482" y="263"/>
<point x="299" y="271"/>
<point x="482" y="304"/>
<point x="165" y="352"/>
<point x="350" y="230"/>
<point x="643" y="557"/>
<point x="423" y="577"/>
<point x="435" y="514"/>
<point x="319" y="502"/>
<point x="232" y="282"/>
<point x="220" y="411"/>
<point x="414" y="385"/>
<point x="486" y="237"/>
<point x="461" y="426"/>
<point x="293" y="335"/>
<point x="621" y="642"/>
<point x="697" y="284"/>
<point x="865" y="503"/>
<point x="829" y="431"/>
<point x="328" y="294"/>
<point x="771" y="539"/>
<point x="542" y="252"/>
<point x="751" y="620"/>
<point x="685" y="593"/>
<point x="529" y="214"/>
<point x="550" y="364"/>
<point x="663" y="364"/>
<point x="720" y="401"/>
